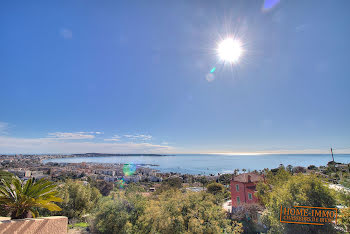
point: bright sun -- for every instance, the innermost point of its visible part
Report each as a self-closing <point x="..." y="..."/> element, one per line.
<point x="230" y="50"/>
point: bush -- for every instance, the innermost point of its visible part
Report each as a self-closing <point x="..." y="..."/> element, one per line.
<point x="215" y="188"/>
<point x="302" y="190"/>
<point x="78" y="199"/>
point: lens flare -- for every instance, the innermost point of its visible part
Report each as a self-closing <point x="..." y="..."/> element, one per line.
<point x="120" y="183"/>
<point x="129" y="169"/>
<point x="230" y="50"/>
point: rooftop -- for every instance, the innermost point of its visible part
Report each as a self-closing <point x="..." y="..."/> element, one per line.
<point x="248" y="177"/>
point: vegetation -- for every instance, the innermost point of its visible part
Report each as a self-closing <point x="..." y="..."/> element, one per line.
<point x="286" y="190"/>
<point x="344" y="219"/>
<point x="22" y="199"/>
<point x="215" y="188"/>
<point x="104" y="187"/>
<point x="174" y="182"/>
<point x="171" y="211"/>
<point x="7" y="176"/>
<point x="101" y="207"/>
<point x="79" y="199"/>
<point x="78" y="225"/>
<point x="176" y="212"/>
<point x="225" y="179"/>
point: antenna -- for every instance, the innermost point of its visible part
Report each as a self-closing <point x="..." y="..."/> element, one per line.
<point x="332" y="154"/>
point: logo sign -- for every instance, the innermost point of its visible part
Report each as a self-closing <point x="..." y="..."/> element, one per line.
<point x="308" y="215"/>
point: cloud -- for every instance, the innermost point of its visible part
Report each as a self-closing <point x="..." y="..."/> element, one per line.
<point x="3" y="127"/>
<point x="114" y="138"/>
<point x="72" y="135"/>
<point x="139" y="137"/>
<point x="52" y="145"/>
<point x="66" y="33"/>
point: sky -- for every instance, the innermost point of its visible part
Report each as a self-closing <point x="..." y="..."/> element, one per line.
<point x="134" y="77"/>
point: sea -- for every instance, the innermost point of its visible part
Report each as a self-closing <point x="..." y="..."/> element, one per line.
<point x="206" y="164"/>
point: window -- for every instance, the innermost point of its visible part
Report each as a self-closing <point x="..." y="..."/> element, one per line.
<point x="238" y="200"/>
<point x="237" y="187"/>
<point x="250" y="196"/>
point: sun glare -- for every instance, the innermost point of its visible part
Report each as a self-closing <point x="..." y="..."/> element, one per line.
<point x="230" y="50"/>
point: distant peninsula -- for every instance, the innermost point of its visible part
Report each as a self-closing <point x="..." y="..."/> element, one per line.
<point x="112" y="155"/>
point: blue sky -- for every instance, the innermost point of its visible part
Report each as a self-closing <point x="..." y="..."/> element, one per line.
<point x="130" y="77"/>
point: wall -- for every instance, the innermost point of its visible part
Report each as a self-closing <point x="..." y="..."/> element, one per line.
<point x="47" y="225"/>
<point x="244" y="189"/>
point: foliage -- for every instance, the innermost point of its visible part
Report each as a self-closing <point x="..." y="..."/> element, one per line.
<point x="246" y="211"/>
<point x="174" y="182"/>
<point x="104" y="187"/>
<point x="134" y="188"/>
<point x="225" y="179"/>
<point x="22" y="199"/>
<point x="170" y="212"/>
<point x="176" y="212"/>
<point x="346" y="182"/>
<point x="303" y="190"/>
<point x="344" y="219"/>
<point x="78" y="199"/>
<point x="299" y="169"/>
<point x="81" y="224"/>
<point x="289" y="168"/>
<point x="119" y="213"/>
<point x="343" y="198"/>
<point x="7" y="176"/>
<point x="204" y="180"/>
<point x="248" y="215"/>
<point x="312" y="167"/>
<point x="272" y="180"/>
<point x="215" y="188"/>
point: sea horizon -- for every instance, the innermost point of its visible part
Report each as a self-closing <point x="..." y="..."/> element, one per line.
<point x="207" y="164"/>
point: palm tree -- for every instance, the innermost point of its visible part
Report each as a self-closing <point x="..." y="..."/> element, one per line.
<point x="22" y="199"/>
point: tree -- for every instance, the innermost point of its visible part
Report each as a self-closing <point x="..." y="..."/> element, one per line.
<point x="204" y="180"/>
<point x="302" y="190"/>
<point x="7" y="176"/>
<point x="176" y="212"/>
<point x="225" y="179"/>
<point x="215" y="188"/>
<point x="119" y="213"/>
<point x="344" y="198"/>
<point x="289" y="168"/>
<point x="273" y="179"/>
<point x="78" y="199"/>
<point x="248" y="215"/>
<point x="104" y="187"/>
<point x="22" y="199"/>
<point x="299" y="169"/>
<point x="174" y="182"/>
<point x="344" y="219"/>
<point x="312" y="167"/>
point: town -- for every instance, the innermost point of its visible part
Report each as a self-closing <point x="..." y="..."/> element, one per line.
<point x="241" y="194"/>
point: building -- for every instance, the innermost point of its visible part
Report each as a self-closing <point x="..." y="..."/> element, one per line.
<point x="243" y="187"/>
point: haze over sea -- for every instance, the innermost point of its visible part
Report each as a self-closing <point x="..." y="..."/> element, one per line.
<point x="214" y="163"/>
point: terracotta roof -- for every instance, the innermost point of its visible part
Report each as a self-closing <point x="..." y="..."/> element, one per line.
<point x="244" y="178"/>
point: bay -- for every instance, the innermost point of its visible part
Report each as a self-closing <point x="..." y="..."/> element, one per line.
<point x="213" y="163"/>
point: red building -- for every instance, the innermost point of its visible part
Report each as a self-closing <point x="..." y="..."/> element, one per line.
<point x="243" y="187"/>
